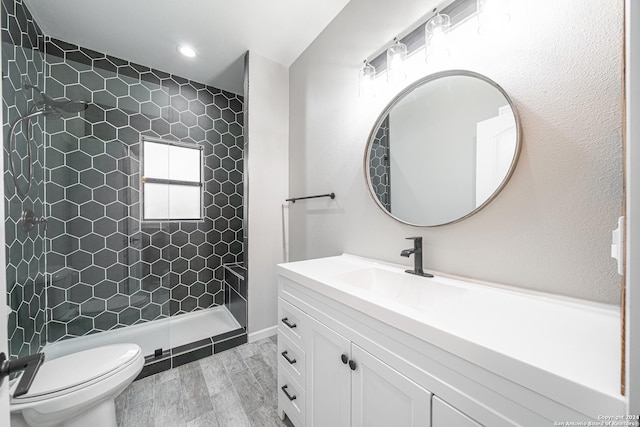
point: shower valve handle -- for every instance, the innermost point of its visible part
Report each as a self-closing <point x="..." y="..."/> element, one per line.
<point x="29" y="364"/>
<point x="30" y="220"/>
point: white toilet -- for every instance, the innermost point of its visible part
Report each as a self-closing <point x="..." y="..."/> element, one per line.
<point x="78" y="390"/>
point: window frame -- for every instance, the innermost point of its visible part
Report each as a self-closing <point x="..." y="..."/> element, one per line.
<point x="148" y="180"/>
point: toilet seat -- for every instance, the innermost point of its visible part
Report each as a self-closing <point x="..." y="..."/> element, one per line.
<point x="76" y="371"/>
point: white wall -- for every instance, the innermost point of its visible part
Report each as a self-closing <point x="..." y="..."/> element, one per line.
<point x="267" y="168"/>
<point x="549" y="229"/>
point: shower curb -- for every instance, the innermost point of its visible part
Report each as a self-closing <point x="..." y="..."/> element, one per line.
<point x="191" y="352"/>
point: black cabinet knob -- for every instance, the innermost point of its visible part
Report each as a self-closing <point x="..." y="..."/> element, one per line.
<point x="352" y="365"/>
<point x="344" y="358"/>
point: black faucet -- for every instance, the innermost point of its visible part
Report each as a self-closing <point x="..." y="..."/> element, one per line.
<point x="417" y="257"/>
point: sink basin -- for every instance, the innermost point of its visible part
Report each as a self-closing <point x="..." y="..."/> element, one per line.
<point x="403" y="288"/>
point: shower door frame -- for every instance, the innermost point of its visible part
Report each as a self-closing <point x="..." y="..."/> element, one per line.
<point x="4" y="332"/>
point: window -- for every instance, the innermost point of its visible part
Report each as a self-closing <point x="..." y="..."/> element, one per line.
<point x="171" y="181"/>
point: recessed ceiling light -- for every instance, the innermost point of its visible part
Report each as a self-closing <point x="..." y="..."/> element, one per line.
<point x="187" y="51"/>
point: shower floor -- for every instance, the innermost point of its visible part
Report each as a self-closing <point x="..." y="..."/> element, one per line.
<point x="211" y="322"/>
<point x="171" y="333"/>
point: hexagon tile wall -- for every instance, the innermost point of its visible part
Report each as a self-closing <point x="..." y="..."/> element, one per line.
<point x="108" y="268"/>
<point x="379" y="165"/>
<point x="104" y="267"/>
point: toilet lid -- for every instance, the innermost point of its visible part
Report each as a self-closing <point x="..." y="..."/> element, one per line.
<point x="79" y="368"/>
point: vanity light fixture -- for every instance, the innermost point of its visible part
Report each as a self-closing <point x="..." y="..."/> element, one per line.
<point x="367" y="77"/>
<point x="187" y="51"/>
<point x="431" y="35"/>
<point x="436" y="30"/>
<point x="396" y="62"/>
<point x="493" y="16"/>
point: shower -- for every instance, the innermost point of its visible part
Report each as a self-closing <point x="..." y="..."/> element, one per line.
<point x="84" y="267"/>
<point x="48" y="107"/>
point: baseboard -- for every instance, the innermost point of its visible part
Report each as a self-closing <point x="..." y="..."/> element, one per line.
<point x="263" y="333"/>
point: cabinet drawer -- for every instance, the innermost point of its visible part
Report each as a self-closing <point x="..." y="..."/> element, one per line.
<point x="291" y="358"/>
<point x="293" y="322"/>
<point x="291" y="399"/>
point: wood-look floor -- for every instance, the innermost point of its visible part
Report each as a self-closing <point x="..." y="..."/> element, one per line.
<point x="234" y="388"/>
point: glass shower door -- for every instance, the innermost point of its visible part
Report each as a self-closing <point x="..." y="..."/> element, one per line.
<point x="107" y="281"/>
<point x="25" y="259"/>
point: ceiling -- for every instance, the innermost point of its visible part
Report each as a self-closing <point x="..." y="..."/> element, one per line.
<point x="221" y="31"/>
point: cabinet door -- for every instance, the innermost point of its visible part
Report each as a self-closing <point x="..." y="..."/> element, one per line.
<point x="328" y="378"/>
<point x="383" y="397"/>
<point x="445" y="415"/>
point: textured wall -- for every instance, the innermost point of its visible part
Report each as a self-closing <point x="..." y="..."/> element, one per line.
<point x="108" y="269"/>
<point x="22" y="59"/>
<point x="551" y="226"/>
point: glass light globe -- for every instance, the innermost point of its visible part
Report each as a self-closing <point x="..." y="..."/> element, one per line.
<point x="367" y="77"/>
<point x="493" y="16"/>
<point x="436" y="44"/>
<point x="396" y="62"/>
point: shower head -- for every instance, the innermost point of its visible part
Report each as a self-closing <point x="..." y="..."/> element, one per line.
<point x="67" y="106"/>
<point x="58" y="107"/>
<point x="48" y="107"/>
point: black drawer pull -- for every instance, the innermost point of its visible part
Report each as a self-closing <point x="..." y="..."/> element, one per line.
<point x="352" y="365"/>
<point x="286" y="393"/>
<point x="285" y="320"/>
<point x="291" y="361"/>
<point x="344" y="358"/>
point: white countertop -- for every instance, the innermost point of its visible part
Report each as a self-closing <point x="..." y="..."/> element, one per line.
<point x="563" y="348"/>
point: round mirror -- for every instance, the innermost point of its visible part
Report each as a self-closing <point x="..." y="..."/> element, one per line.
<point x="442" y="149"/>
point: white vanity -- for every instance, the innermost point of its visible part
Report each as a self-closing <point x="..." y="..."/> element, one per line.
<point x="363" y="344"/>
